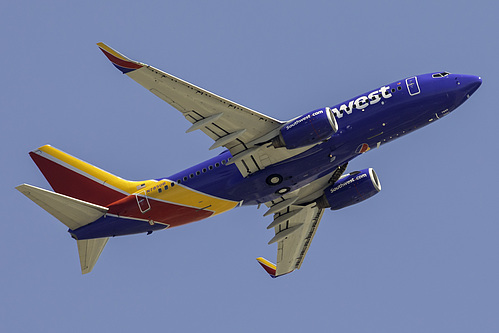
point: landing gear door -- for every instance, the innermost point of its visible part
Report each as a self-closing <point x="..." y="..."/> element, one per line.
<point x="412" y="85"/>
<point x="143" y="202"/>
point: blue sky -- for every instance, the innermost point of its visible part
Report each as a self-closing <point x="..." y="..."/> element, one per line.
<point x="421" y="256"/>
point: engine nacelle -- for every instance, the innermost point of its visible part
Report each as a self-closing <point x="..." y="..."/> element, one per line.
<point x="308" y="129"/>
<point x="351" y="189"/>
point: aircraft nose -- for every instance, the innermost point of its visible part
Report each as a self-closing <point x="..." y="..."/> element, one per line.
<point x="468" y="83"/>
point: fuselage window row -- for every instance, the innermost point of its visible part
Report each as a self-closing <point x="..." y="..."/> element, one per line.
<point x="197" y="173"/>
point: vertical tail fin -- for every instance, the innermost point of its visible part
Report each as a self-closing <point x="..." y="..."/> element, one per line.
<point x="83" y="194"/>
<point x="75" y="178"/>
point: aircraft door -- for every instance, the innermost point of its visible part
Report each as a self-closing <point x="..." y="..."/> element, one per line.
<point x="143" y="202"/>
<point x="412" y="85"/>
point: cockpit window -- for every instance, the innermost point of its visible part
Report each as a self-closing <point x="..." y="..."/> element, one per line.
<point x="443" y="74"/>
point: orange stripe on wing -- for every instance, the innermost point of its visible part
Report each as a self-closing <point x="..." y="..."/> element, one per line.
<point x="118" y="59"/>
<point x="269" y="267"/>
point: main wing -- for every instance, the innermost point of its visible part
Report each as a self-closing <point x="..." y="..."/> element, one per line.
<point x="244" y="132"/>
<point x="295" y="228"/>
<point x="296" y="218"/>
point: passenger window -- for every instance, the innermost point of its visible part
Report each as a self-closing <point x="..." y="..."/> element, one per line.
<point x="210" y="167"/>
<point x="159" y="190"/>
<point x="198" y="173"/>
<point x="217" y="165"/>
<point x="204" y="169"/>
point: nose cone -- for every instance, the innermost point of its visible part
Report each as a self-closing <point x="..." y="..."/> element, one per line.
<point x="468" y="84"/>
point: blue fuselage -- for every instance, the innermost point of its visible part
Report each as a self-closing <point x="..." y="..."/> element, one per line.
<point x="364" y="122"/>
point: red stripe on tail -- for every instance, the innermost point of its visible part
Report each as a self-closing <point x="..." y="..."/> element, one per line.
<point x="73" y="184"/>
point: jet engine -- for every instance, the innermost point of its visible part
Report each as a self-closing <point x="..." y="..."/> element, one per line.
<point x="312" y="127"/>
<point x="350" y="189"/>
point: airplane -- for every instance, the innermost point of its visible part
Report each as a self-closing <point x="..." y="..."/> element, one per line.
<point x="296" y="168"/>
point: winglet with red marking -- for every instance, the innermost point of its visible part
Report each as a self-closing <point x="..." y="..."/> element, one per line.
<point x="267" y="266"/>
<point x="119" y="60"/>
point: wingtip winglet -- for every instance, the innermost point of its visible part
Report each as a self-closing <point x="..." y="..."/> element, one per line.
<point x="269" y="267"/>
<point x="121" y="62"/>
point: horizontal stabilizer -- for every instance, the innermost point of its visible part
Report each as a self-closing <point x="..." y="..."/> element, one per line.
<point x="89" y="251"/>
<point x="267" y="266"/>
<point x="72" y="212"/>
